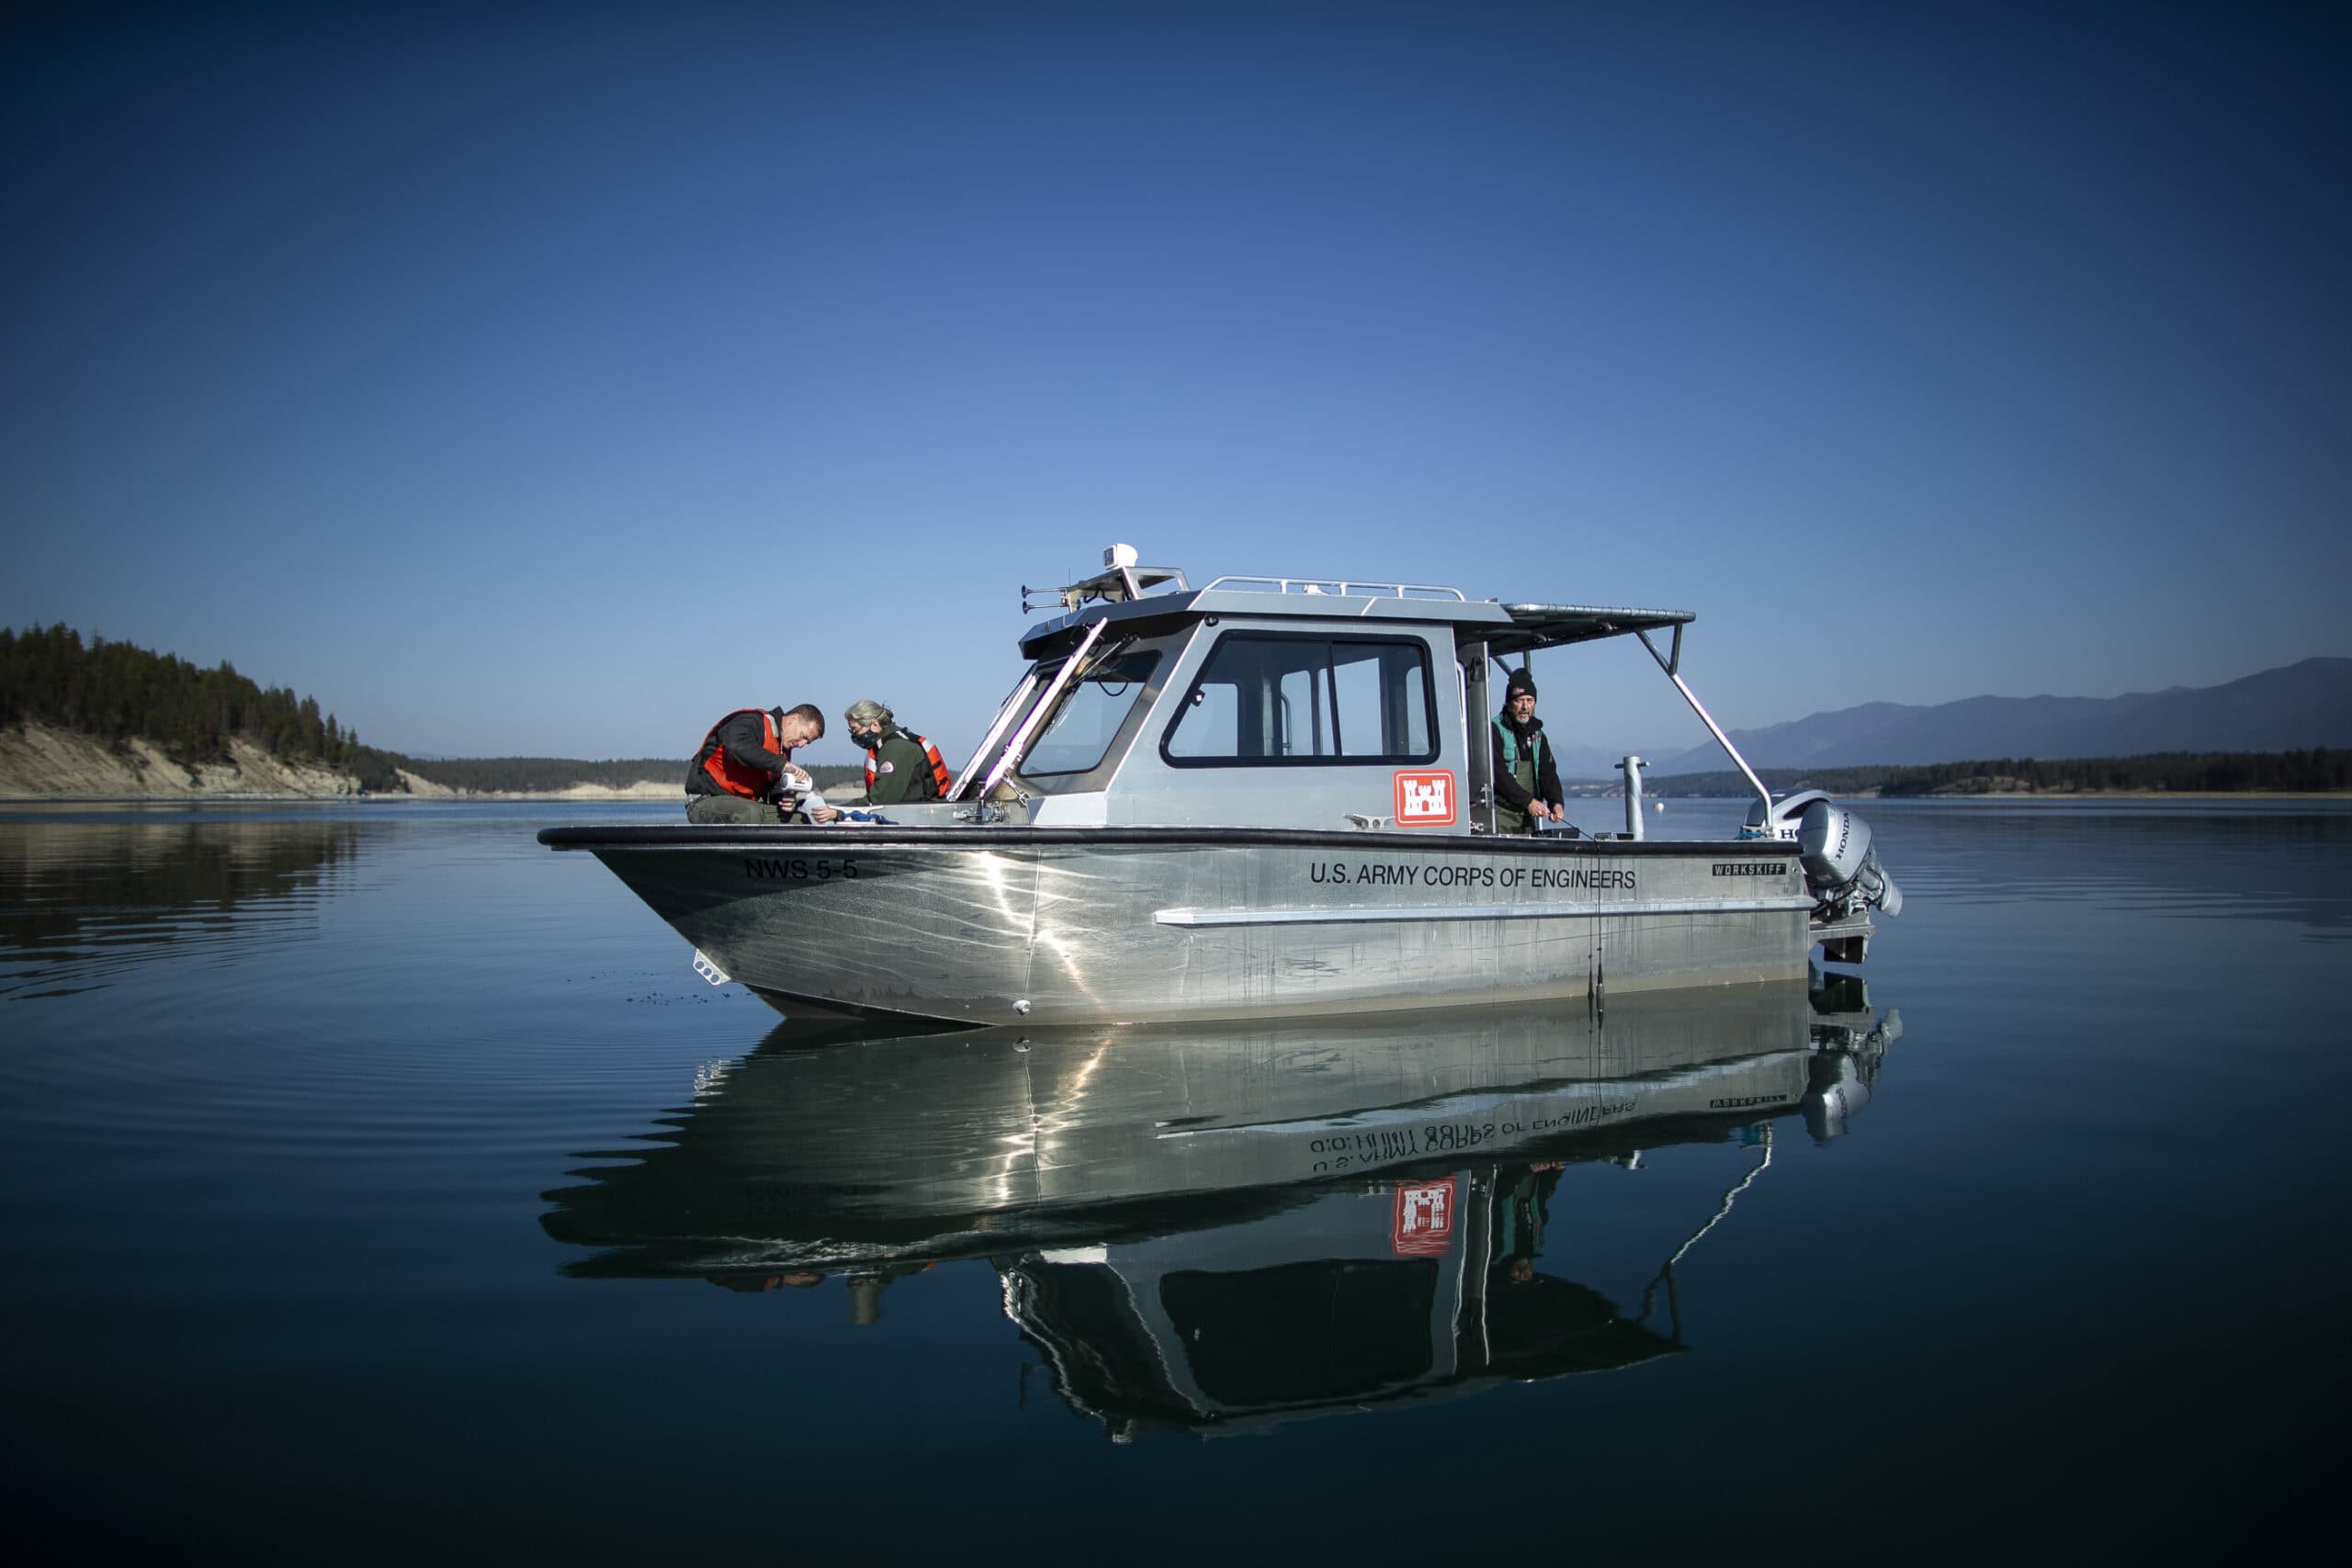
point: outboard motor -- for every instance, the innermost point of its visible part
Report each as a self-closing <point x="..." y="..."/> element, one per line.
<point x="1840" y="866"/>
<point x="1841" y="869"/>
<point x="1788" y="815"/>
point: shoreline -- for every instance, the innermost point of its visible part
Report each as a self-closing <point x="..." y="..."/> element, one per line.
<point x="2079" y="795"/>
<point x="191" y="798"/>
<point x="1946" y="799"/>
<point x="599" y="793"/>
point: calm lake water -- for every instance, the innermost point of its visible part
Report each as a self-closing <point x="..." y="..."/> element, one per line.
<point x="375" y="1182"/>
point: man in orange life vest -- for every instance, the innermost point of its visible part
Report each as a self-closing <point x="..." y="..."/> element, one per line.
<point x="899" y="764"/>
<point x="744" y="767"/>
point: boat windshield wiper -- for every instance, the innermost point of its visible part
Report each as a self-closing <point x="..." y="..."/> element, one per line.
<point x="1056" y="692"/>
<point x="1011" y="705"/>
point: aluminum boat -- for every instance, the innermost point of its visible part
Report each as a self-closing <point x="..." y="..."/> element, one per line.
<point x="1261" y="797"/>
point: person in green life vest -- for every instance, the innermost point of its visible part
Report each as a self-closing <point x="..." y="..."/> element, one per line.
<point x="1526" y="780"/>
<point x="899" y="764"/>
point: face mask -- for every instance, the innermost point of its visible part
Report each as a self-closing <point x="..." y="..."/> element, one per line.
<point x="865" y="740"/>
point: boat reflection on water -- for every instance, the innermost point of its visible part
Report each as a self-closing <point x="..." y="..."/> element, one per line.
<point x="1216" y="1228"/>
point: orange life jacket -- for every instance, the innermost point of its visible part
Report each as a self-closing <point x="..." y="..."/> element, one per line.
<point x="731" y="775"/>
<point x="938" y="764"/>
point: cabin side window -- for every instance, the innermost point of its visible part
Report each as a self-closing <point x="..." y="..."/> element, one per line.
<point x="1269" y="699"/>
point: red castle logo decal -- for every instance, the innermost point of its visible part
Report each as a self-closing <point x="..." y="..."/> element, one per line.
<point x="1425" y="799"/>
<point x="1422" y="1223"/>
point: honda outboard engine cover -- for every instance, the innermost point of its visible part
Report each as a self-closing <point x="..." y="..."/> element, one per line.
<point x="1787" y="817"/>
<point x="1840" y="866"/>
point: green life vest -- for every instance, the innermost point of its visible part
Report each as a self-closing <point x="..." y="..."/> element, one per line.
<point x="1526" y="770"/>
<point x="1510" y="749"/>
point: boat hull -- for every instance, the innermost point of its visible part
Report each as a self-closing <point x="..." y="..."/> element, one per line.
<point x="1010" y="925"/>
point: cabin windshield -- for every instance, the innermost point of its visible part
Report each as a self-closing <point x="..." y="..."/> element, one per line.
<point x="1091" y="710"/>
<point x="1093" y="720"/>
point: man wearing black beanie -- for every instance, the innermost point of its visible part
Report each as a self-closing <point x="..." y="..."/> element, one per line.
<point x="1526" y="780"/>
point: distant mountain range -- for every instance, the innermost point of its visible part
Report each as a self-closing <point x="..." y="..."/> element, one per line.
<point x="2294" y="708"/>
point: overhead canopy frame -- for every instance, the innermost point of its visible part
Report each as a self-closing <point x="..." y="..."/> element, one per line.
<point x="1556" y="626"/>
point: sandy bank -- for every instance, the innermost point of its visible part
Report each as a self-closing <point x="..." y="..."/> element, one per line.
<point x="41" y="763"/>
<point x="643" y="789"/>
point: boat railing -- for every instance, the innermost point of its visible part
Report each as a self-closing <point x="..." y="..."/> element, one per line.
<point x="1337" y="588"/>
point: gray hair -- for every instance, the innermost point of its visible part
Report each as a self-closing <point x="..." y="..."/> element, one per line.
<point x="866" y="710"/>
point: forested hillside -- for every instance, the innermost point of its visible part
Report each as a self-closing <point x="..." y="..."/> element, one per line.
<point x="116" y="691"/>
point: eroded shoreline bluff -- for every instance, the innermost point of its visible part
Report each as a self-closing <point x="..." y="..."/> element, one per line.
<point x="39" y="763"/>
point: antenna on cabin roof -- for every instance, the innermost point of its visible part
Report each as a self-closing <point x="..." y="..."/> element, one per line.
<point x="1120" y="579"/>
<point x="1121" y="558"/>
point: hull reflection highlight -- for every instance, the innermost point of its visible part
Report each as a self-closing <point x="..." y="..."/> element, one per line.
<point x="1217" y="1228"/>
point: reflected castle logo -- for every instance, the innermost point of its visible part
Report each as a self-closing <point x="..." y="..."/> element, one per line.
<point x="1422" y="1226"/>
<point x="1425" y="800"/>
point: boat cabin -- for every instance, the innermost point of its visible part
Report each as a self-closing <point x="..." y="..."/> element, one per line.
<point x="1265" y="702"/>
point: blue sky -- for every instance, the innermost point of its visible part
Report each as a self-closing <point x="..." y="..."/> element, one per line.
<point x="550" y="380"/>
